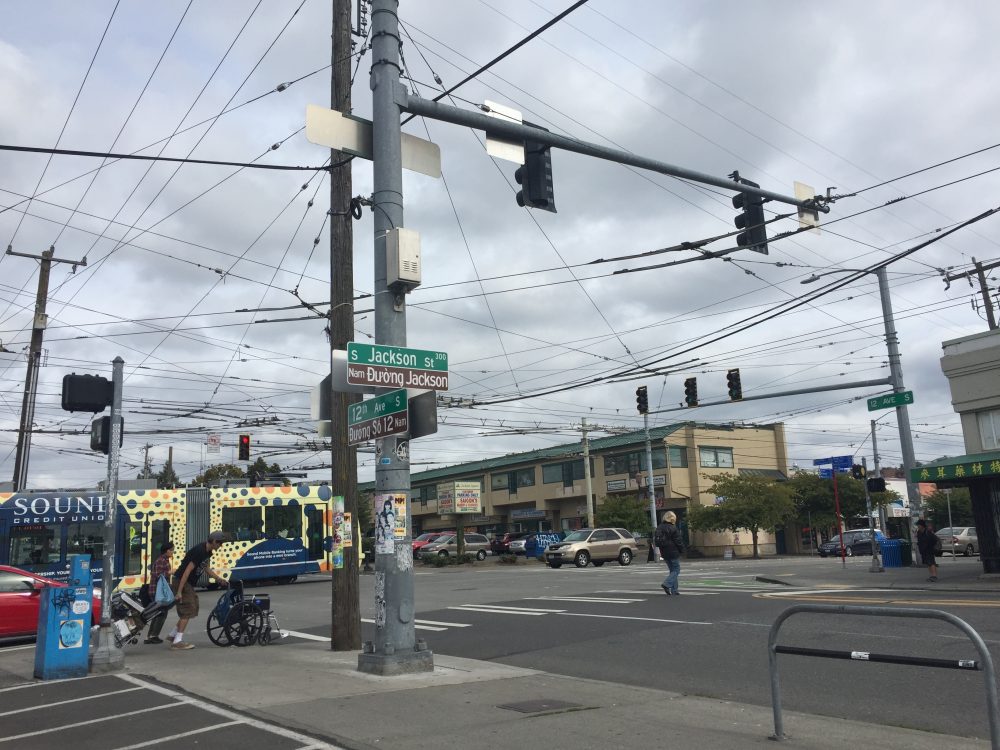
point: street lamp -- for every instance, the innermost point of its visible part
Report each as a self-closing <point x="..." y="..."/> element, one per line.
<point x="895" y="370"/>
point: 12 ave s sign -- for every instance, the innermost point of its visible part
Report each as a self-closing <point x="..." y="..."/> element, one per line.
<point x="377" y="417"/>
<point x="890" y="400"/>
<point x="396" y="367"/>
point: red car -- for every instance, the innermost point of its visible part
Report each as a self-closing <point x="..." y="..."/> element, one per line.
<point x="20" y="594"/>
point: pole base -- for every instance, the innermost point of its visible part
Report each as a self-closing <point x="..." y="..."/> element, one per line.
<point x="389" y="665"/>
<point x="106" y="656"/>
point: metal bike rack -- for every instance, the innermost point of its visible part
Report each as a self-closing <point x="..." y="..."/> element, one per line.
<point x="985" y="664"/>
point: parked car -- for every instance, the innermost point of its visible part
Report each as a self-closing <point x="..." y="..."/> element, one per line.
<point x="592" y="545"/>
<point x="424" y="539"/>
<point x="501" y="544"/>
<point x="475" y="544"/>
<point x="856" y="542"/>
<point x="959" y="540"/>
<point x="20" y="597"/>
<point x="518" y="543"/>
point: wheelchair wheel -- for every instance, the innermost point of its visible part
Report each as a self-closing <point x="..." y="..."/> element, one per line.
<point x="217" y="630"/>
<point x="244" y="624"/>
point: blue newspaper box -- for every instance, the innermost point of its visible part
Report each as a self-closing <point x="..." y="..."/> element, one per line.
<point x="64" y="617"/>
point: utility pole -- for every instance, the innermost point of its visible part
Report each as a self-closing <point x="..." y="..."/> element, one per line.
<point x="395" y="649"/>
<point x="984" y="288"/>
<point x="586" y="474"/>
<point x="345" y="613"/>
<point x="34" y="362"/>
<point x="145" y="461"/>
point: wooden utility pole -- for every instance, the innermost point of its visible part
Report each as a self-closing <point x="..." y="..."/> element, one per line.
<point x="345" y="602"/>
<point x="984" y="288"/>
<point x="34" y="362"/>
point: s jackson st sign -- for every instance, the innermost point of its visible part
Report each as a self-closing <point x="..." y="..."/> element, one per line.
<point x="396" y="367"/>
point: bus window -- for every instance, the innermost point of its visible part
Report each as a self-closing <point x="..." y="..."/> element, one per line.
<point x="242" y="524"/>
<point x="133" y="549"/>
<point x="86" y="539"/>
<point x="314" y="528"/>
<point x="283" y="521"/>
<point x="33" y="545"/>
<point x="159" y="535"/>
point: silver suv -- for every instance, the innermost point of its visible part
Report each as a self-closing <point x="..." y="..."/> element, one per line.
<point x="475" y="544"/>
<point x="592" y="545"/>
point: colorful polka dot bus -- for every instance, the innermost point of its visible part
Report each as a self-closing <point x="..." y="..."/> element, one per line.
<point x="274" y="533"/>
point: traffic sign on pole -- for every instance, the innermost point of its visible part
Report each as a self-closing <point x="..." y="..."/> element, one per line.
<point x="396" y="367"/>
<point x="377" y="417"/>
<point x="890" y="400"/>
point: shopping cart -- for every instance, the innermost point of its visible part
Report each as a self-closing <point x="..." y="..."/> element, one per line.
<point x="241" y="620"/>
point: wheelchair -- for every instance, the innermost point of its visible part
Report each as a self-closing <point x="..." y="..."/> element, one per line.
<point x="241" y="620"/>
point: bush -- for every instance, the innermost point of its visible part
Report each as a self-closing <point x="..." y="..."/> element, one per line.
<point x="439" y="561"/>
<point x="507" y="559"/>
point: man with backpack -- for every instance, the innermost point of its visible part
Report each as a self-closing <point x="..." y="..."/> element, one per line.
<point x="929" y="546"/>
<point x="667" y="538"/>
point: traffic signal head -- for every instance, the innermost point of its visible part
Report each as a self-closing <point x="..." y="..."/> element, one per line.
<point x="535" y="176"/>
<point x="691" y="391"/>
<point x="244" y="452"/>
<point x="734" y="385"/>
<point x="86" y="393"/>
<point x="858" y="471"/>
<point x="750" y="219"/>
<point x="641" y="399"/>
<point x="100" y="434"/>
<point x="876" y="484"/>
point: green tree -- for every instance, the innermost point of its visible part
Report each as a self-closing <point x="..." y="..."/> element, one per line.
<point x="623" y="512"/>
<point x="961" y="507"/>
<point x="752" y="503"/>
<point x="261" y="468"/>
<point x="167" y="477"/>
<point x="215" y="474"/>
<point x="815" y="501"/>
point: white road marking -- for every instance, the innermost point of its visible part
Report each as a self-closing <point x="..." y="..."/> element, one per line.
<point x="598" y="600"/>
<point x="15" y="648"/>
<point x="70" y="700"/>
<point x="514" y="609"/>
<point x="645" y="619"/>
<point x="469" y="608"/>
<point x="416" y="625"/>
<point x="159" y="740"/>
<point x="311" y="637"/>
<point x="89" y="721"/>
<point x="446" y="624"/>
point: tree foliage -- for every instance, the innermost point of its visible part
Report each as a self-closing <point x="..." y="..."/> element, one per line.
<point x="623" y="512"/>
<point x="166" y="477"/>
<point x="815" y="502"/>
<point x="752" y="503"/>
<point x="936" y="506"/>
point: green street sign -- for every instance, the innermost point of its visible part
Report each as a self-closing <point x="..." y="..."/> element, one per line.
<point x="396" y="367"/>
<point x="377" y="417"/>
<point x="890" y="400"/>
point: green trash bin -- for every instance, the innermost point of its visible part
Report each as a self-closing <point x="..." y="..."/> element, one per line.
<point x="905" y="553"/>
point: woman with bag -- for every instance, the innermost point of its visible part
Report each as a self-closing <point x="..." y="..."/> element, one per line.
<point x="160" y="572"/>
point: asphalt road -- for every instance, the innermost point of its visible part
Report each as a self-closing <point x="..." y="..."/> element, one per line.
<point x="616" y="624"/>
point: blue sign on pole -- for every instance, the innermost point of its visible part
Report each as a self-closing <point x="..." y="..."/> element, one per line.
<point x="821" y="461"/>
<point x="842" y="462"/>
<point x="826" y="473"/>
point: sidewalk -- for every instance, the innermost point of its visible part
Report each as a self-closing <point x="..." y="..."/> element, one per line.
<point x="304" y="686"/>
<point x="953" y="575"/>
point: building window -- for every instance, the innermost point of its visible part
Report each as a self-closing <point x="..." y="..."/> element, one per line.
<point x="499" y="481"/>
<point x="715" y="458"/>
<point x="678" y="457"/>
<point x="523" y="477"/>
<point x="566" y="472"/>
<point x="511" y="480"/>
<point x="989" y="429"/>
<point x="634" y="462"/>
<point x="427" y="494"/>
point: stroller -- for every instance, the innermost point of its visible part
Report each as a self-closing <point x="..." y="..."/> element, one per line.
<point x="239" y="620"/>
<point x="129" y="617"/>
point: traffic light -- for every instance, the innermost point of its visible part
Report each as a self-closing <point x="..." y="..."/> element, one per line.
<point x="691" y="391"/>
<point x="100" y="434"/>
<point x="86" y="393"/>
<point x="641" y="399"/>
<point x="876" y="484"/>
<point x="858" y="471"/>
<point x="535" y="176"/>
<point x="244" y="448"/>
<point x="735" y="387"/>
<point x="750" y="219"/>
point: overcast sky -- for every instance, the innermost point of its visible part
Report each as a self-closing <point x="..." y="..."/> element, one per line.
<point x="845" y="96"/>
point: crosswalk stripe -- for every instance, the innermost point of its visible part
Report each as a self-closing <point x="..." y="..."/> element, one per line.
<point x="504" y="611"/>
<point x="416" y="625"/>
<point x="515" y="609"/>
<point x="599" y="600"/>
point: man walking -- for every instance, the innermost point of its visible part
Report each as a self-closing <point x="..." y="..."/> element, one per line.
<point x="195" y="562"/>
<point x="668" y="539"/>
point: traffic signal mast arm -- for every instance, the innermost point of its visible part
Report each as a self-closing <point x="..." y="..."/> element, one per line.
<point x="516" y="132"/>
<point x="778" y="394"/>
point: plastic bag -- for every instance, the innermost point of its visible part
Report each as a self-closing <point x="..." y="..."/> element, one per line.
<point x="163" y="593"/>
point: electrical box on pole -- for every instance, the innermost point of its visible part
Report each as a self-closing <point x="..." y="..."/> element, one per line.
<point x="641" y="399"/>
<point x="691" y="392"/>
<point x="750" y="219"/>
<point x="535" y="176"/>
<point x="734" y="385"/>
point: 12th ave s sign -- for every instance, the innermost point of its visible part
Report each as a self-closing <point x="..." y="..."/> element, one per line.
<point x="890" y="400"/>
<point x="377" y="417"/>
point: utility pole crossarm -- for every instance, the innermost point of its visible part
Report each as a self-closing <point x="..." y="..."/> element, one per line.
<point x="515" y="131"/>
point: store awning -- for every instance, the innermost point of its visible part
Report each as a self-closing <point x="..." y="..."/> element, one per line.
<point x="958" y="469"/>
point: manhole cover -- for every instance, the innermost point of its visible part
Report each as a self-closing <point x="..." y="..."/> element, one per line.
<point x="537" y="706"/>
